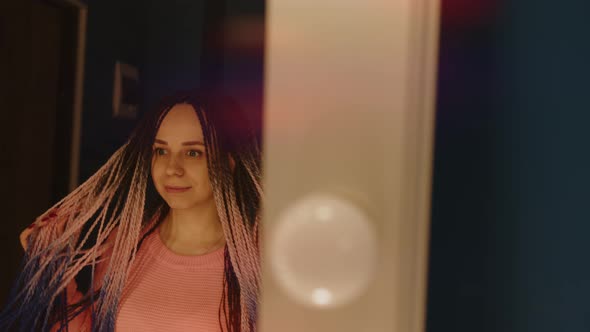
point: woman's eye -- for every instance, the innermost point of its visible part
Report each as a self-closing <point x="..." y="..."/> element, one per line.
<point x="193" y="153"/>
<point x="159" y="151"/>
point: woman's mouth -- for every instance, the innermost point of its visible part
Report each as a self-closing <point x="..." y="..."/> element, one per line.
<point x="175" y="190"/>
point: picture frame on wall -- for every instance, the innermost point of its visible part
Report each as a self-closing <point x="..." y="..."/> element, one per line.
<point x="125" y="91"/>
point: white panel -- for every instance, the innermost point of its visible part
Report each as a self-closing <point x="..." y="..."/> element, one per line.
<point x="349" y="97"/>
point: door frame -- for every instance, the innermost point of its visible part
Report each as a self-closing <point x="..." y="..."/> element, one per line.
<point x="78" y="79"/>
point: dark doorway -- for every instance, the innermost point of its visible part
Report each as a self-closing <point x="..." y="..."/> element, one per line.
<point x="38" y="41"/>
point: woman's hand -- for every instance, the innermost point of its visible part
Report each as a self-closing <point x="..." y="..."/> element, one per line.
<point x="43" y="220"/>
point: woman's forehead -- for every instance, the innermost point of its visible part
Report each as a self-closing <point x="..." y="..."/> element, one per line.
<point x="181" y="123"/>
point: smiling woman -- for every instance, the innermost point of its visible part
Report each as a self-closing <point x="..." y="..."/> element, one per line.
<point x="168" y="229"/>
<point x="179" y="165"/>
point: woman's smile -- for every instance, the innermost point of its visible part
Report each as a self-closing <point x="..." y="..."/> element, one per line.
<point x="174" y="189"/>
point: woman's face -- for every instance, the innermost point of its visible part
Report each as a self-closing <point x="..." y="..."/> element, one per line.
<point x="179" y="164"/>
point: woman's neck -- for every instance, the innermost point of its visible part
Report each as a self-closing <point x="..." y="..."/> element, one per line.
<point x="193" y="231"/>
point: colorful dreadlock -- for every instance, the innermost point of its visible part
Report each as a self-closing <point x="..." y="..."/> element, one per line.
<point x="118" y="206"/>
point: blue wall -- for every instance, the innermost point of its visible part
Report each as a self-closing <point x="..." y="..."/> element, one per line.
<point x="545" y="63"/>
<point x="116" y="30"/>
<point x="510" y="223"/>
<point x="174" y="47"/>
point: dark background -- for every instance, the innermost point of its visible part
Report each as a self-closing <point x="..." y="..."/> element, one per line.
<point x="510" y="218"/>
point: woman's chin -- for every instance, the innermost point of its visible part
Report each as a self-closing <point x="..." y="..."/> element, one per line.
<point x="181" y="204"/>
<point x="175" y="205"/>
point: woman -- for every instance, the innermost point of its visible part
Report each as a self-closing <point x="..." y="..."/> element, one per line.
<point x="166" y="232"/>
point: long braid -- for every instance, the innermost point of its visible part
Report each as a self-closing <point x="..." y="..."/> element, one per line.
<point x="236" y="191"/>
<point x="55" y="253"/>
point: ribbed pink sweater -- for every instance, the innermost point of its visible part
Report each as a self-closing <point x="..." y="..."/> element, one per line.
<point x="170" y="292"/>
<point x="167" y="292"/>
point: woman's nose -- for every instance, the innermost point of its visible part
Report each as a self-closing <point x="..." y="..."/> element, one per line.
<point x="174" y="167"/>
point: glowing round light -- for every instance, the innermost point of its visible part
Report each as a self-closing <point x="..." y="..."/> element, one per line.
<point x="321" y="296"/>
<point x="323" y="251"/>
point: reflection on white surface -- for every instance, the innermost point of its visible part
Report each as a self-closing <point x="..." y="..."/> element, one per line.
<point x="321" y="296"/>
<point x="323" y="251"/>
<point x="324" y="213"/>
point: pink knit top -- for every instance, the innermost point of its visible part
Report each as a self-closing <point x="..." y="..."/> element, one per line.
<point x="166" y="292"/>
<point x="170" y="292"/>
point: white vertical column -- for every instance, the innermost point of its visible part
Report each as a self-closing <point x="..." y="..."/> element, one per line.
<point x="349" y="113"/>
